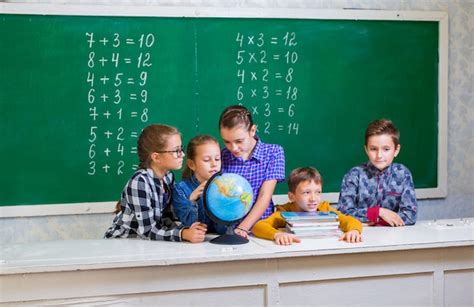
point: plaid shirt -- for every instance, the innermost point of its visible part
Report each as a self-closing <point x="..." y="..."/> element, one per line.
<point x="267" y="162"/>
<point x="144" y="203"/>
<point x="365" y="187"/>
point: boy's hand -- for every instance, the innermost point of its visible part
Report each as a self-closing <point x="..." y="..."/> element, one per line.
<point x="352" y="236"/>
<point x="391" y="217"/>
<point x="197" y="193"/>
<point x="196" y="233"/>
<point x="283" y="238"/>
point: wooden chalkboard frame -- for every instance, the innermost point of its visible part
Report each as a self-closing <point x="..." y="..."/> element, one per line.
<point x="346" y="14"/>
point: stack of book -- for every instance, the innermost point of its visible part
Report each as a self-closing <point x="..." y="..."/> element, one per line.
<point x="313" y="224"/>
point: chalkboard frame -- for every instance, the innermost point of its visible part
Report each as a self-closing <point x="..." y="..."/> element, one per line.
<point x="441" y="17"/>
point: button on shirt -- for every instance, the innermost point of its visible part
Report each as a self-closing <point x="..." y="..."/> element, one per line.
<point x="267" y="162"/>
<point x="364" y="189"/>
<point x="145" y="201"/>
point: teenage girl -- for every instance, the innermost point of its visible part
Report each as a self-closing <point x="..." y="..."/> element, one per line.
<point x="203" y="161"/>
<point x="142" y="209"/>
<point x="263" y="165"/>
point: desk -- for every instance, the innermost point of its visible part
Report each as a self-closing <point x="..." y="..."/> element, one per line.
<point x="431" y="263"/>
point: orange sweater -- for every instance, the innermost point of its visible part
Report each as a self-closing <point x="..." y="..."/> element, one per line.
<point x="267" y="228"/>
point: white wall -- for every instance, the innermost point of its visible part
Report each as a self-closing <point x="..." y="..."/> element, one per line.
<point x="460" y="200"/>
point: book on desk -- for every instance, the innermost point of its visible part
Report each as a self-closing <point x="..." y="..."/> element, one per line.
<point x="312" y="223"/>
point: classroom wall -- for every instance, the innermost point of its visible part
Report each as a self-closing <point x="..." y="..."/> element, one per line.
<point x="460" y="200"/>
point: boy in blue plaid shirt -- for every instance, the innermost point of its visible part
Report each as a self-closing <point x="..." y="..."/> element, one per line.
<point x="380" y="192"/>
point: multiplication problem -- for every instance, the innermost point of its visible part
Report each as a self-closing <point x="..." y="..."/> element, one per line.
<point x="266" y="67"/>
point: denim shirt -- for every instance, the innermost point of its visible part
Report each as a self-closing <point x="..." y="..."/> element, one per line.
<point x="188" y="211"/>
<point x="365" y="187"/>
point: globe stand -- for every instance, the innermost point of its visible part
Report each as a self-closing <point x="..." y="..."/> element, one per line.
<point x="229" y="238"/>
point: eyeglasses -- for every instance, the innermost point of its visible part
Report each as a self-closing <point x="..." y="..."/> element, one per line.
<point x="176" y="153"/>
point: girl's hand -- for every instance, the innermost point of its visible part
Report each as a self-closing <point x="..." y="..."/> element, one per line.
<point x="196" y="233"/>
<point x="352" y="236"/>
<point x="283" y="238"/>
<point x="391" y="217"/>
<point x="241" y="231"/>
<point x="197" y="193"/>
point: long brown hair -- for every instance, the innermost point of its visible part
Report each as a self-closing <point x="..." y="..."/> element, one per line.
<point x="192" y="148"/>
<point x="153" y="138"/>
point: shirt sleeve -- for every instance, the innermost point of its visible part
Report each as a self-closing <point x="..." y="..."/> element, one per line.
<point x="267" y="228"/>
<point x="348" y="197"/>
<point x="346" y="222"/>
<point x="184" y="209"/>
<point x="276" y="165"/>
<point x="408" y="205"/>
<point x="138" y="196"/>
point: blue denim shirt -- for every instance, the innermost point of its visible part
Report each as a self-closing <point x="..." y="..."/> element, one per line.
<point x="365" y="187"/>
<point x="188" y="211"/>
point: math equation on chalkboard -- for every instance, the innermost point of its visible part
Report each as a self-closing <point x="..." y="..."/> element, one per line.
<point x="266" y="69"/>
<point x="117" y="98"/>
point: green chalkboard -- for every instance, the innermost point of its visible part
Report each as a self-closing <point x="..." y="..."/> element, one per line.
<point x="75" y="92"/>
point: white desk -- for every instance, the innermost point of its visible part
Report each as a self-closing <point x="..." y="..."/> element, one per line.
<point x="427" y="264"/>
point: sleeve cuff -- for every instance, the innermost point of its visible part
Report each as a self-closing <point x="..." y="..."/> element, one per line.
<point x="373" y="214"/>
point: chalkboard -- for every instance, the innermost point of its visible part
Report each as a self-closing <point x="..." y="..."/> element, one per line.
<point x="75" y="92"/>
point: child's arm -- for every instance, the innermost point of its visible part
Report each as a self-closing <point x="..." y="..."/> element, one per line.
<point x="352" y="236"/>
<point x="348" y="197"/>
<point x="283" y="238"/>
<point x="408" y="205"/>
<point x="194" y="234"/>
<point x="351" y="227"/>
<point x="390" y="218"/>
<point x="264" y="198"/>
<point x="267" y="228"/>
<point x="275" y="171"/>
<point x="138" y="197"/>
<point x="184" y="209"/>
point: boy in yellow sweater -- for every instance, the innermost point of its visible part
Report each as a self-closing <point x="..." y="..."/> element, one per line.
<point x="304" y="193"/>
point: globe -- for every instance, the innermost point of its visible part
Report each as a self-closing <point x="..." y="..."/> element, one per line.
<point x="227" y="199"/>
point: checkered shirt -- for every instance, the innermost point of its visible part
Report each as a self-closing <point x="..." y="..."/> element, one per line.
<point x="145" y="202"/>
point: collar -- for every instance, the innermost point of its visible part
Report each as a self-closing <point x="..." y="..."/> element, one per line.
<point x="257" y="152"/>
<point x="194" y="181"/>
<point x="167" y="179"/>
<point x="373" y="171"/>
<point x="294" y="207"/>
<point x="151" y="173"/>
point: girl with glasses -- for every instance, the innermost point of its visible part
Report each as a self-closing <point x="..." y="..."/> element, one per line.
<point x="144" y="208"/>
